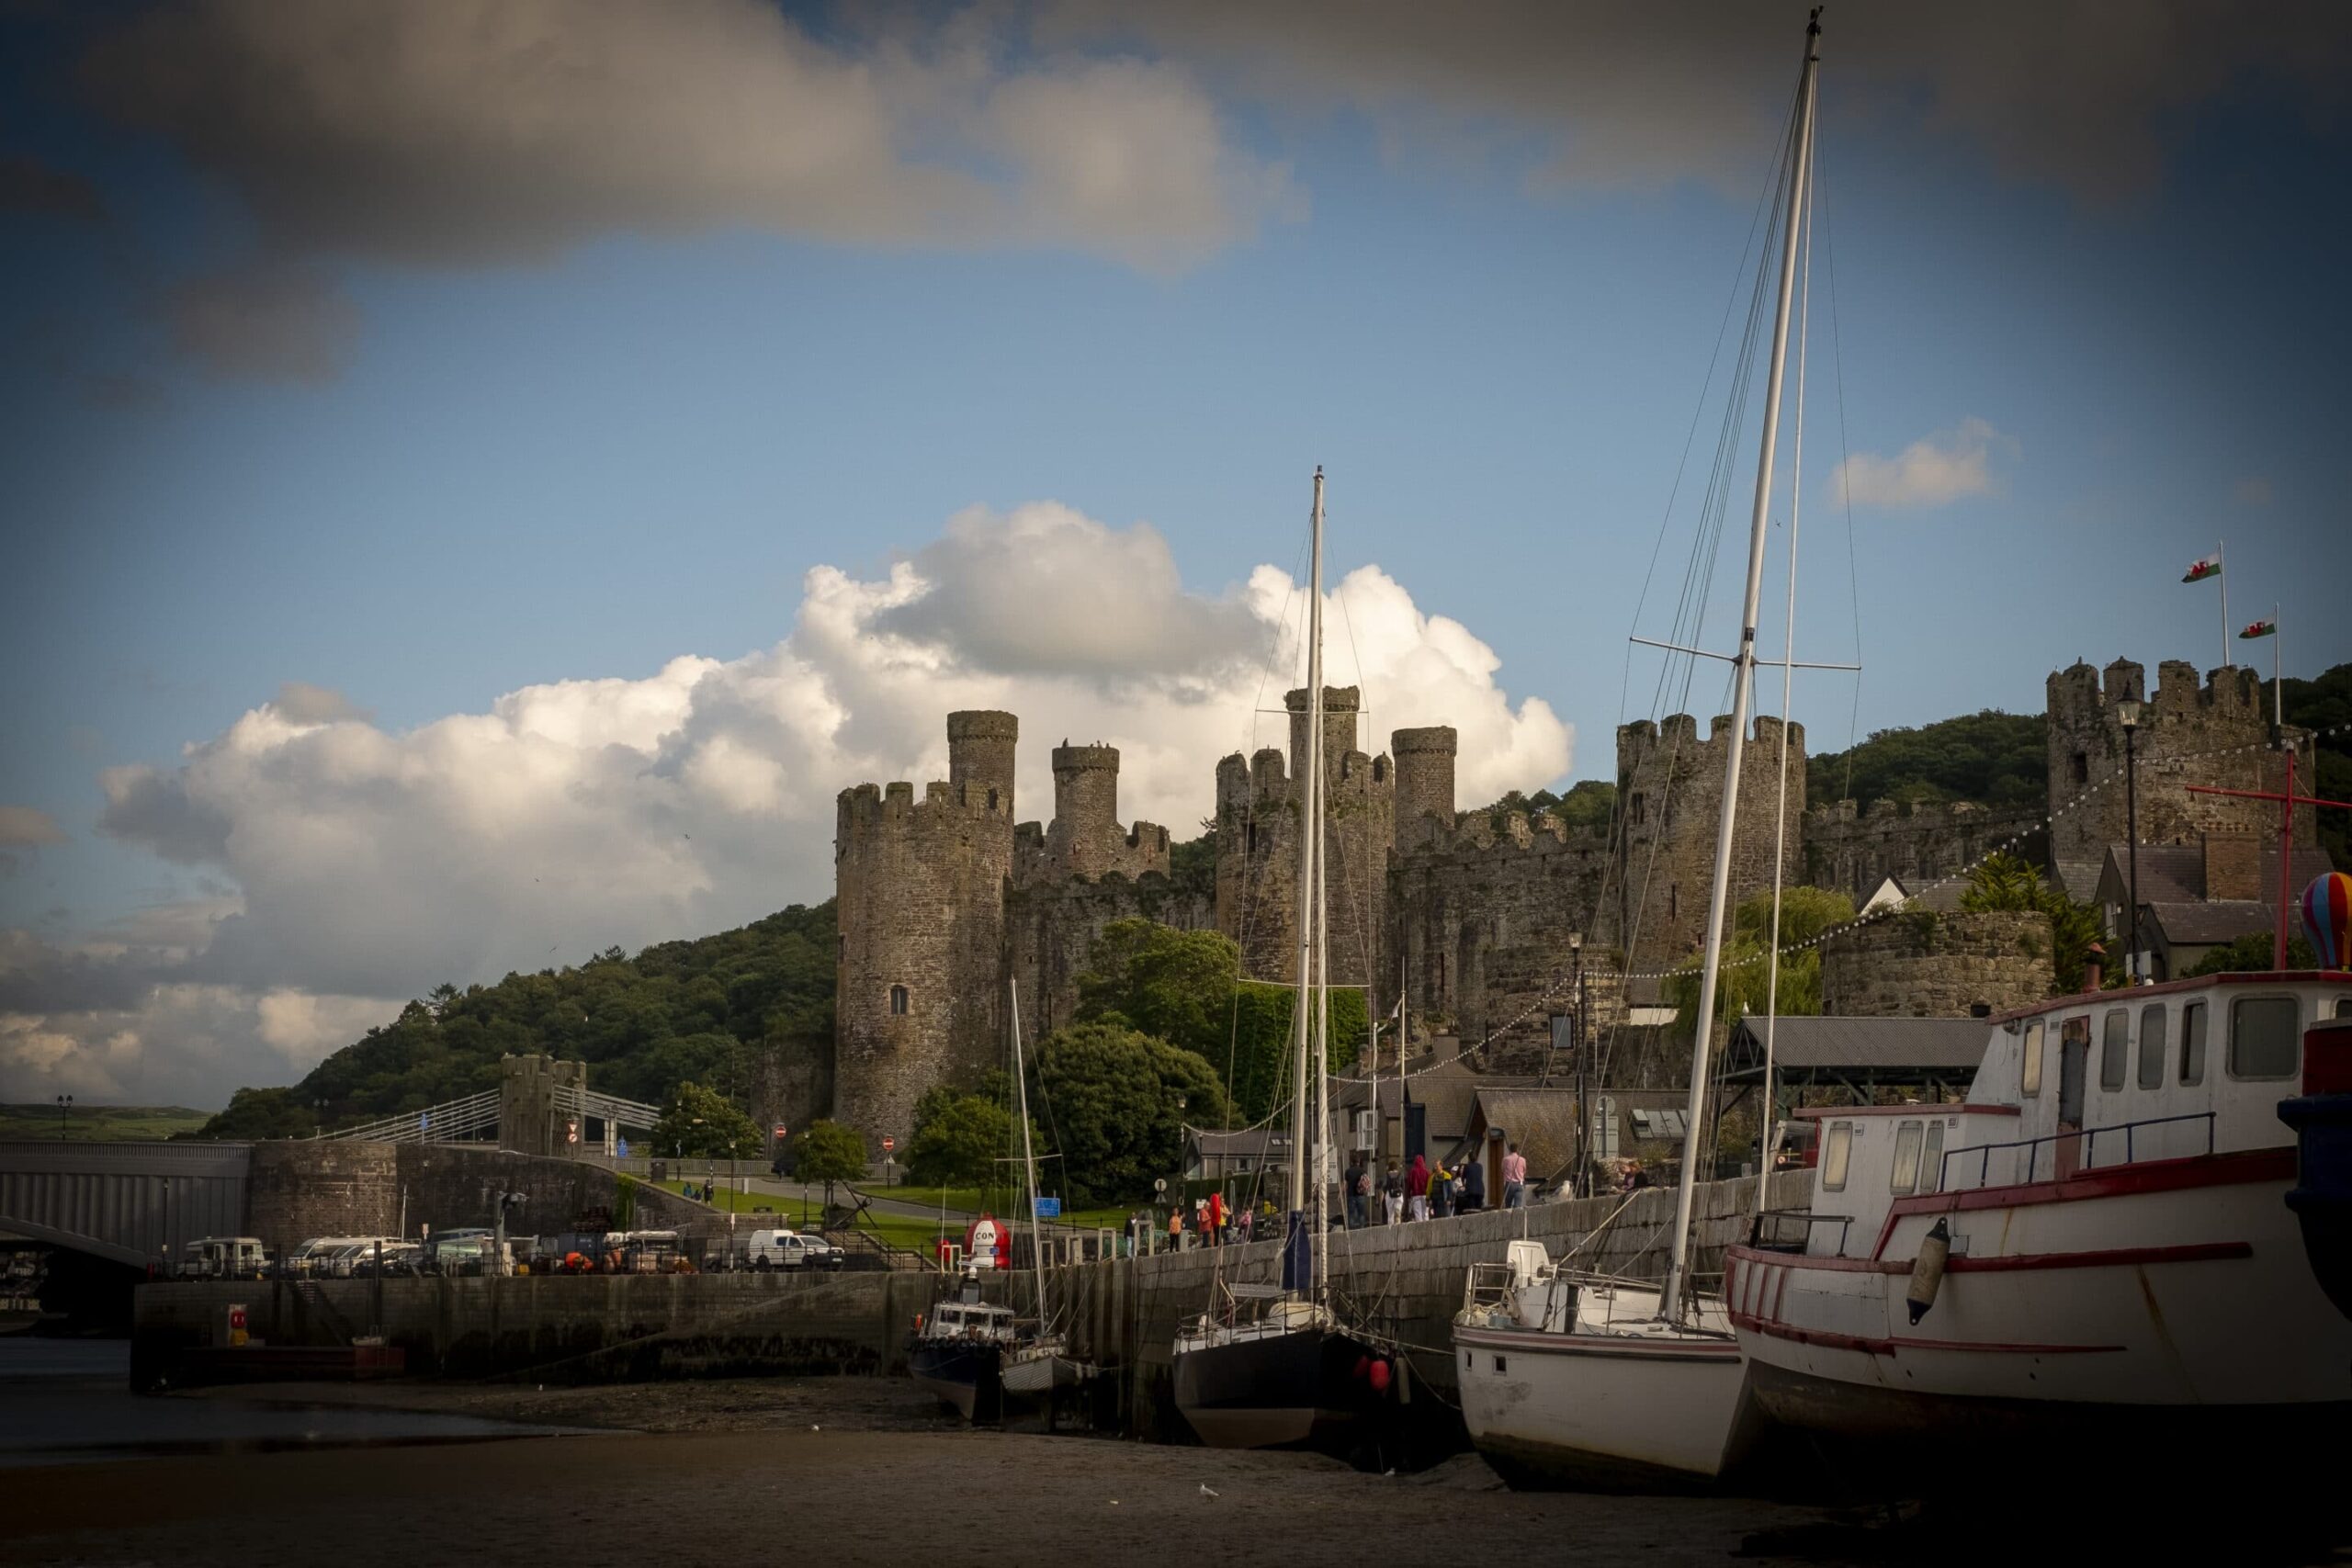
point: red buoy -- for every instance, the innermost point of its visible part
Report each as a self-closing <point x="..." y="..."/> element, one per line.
<point x="1380" y="1377"/>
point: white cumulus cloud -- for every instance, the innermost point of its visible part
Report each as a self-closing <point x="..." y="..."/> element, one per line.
<point x="1934" y="470"/>
<point x="568" y="816"/>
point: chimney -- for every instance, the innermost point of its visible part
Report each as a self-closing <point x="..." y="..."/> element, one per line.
<point x="2232" y="865"/>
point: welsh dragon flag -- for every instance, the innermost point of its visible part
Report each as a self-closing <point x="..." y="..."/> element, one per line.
<point x="2261" y="629"/>
<point x="2204" y="567"/>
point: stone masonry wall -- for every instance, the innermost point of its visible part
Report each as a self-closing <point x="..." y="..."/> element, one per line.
<point x="300" y="1188"/>
<point x="1669" y="792"/>
<point x="1853" y="851"/>
<point x="1052" y="927"/>
<point x="1918" y="964"/>
<point x="2216" y="734"/>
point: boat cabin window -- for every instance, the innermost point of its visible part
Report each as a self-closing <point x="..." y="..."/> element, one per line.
<point x="2114" y="1049"/>
<point x="2344" y="1007"/>
<point x="899" y="1000"/>
<point x="1907" y="1159"/>
<point x="1931" y="1161"/>
<point x="2262" y="1037"/>
<point x="2192" y="1043"/>
<point x="2152" y="1046"/>
<point x="1836" y="1150"/>
<point x="2030" y="1075"/>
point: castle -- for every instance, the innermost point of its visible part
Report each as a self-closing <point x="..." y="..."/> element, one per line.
<point x="947" y="901"/>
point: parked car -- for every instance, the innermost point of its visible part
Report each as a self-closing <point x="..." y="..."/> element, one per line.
<point x="791" y="1249"/>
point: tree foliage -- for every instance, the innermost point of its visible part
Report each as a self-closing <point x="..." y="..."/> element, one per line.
<point x="1108" y="1095"/>
<point x="1180" y="986"/>
<point x="2252" y="954"/>
<point x="1746" y="984"/>
<point x="2002" y="880"/>
<point x="703" y="1123"/>
<point x="957" y="1140"/>
<point x="1587" y="804"/>
<point x="697" y="1011"/>
<point x="828" y="1151"/>
<point x="1992" y="757"/>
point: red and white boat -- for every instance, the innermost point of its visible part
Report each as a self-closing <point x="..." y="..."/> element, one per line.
<point x="2091" y="1261"/>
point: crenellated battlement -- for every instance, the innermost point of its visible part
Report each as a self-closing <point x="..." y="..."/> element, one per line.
<point x="871" y="808"/>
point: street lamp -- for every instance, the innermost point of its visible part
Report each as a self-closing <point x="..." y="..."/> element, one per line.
<point x="2127" y="714"/>
<point x="1177" y="1201"/>
<point x="65" y="1106"/>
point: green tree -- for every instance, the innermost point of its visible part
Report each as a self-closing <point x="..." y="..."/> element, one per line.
<point x="1260" y="1055"/>
<point x="829" y="1152"/>
<point x="704" y="1123"/>
<point x="2002" y="880"/>
<point x="1745" y="983"/>
<point x="256" y="1113"/>
<point x="1108" y="1094"/>
<point x="1174" y="984"/>
<point x="1991" y="757"/>
<point x="2252" y="954"/>
<point x="958" y="1143"/>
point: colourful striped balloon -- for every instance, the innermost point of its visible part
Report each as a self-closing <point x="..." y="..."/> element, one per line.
<point x="2327" y="919"/>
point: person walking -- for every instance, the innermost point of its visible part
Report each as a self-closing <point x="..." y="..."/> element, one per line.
<point x="1474" y="1183"/>
<point x="1175" y="1227"/>
<point x="1416" y="1190"/>
<point x="1514" y="1179"/>
<point x="1441" y="1191"/>
<point x="1216" y="1217"/>
<point x="1359" y="1189"/>
<point x="1392" y="1194"/>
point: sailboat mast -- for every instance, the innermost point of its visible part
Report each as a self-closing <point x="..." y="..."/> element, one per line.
<point x="1742" y="683"/>
<point x="1028" y="1159"/>
<point x="1320" y="1195"/>
<point x="1310" y="840"/>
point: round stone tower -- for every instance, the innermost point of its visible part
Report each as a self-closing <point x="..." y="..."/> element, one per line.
<point x="1424" y="781"/>
<point x="919" y="990"/>
<point x="1085" y="839"/>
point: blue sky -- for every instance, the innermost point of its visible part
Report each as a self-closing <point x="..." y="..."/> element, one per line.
<point x="594" y="446"/>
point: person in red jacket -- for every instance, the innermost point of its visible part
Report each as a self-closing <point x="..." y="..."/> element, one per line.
<point x="1216" y="1219"/>
<point x="1416" y="1190"/>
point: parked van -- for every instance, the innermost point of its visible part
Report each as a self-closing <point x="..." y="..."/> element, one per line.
<point x="224" y="1258"/>
<point x="790" y="1249"/>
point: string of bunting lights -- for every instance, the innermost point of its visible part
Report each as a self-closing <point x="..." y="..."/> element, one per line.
<point x="1820" y="939"/>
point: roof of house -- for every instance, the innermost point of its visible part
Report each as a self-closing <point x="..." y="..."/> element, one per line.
<point x="1255" y="1142"/>
<point x="2206" y="922"/>
<point x="2078" y="879"/>
<point x="1542" y="1122"/>
<point x="1874" y="1044"/>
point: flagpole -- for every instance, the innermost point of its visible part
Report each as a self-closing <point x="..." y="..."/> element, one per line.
<point x="2221" y="570"/>
<point x="2277" y="691"/>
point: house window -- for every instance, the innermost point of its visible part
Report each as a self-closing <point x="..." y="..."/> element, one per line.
<point x="2152" y="1046"/>
<point x="1837" y="1149"/>
<point x="2262" y="1037"/>
<point x="2115" y="1049"/>
<point x="2029" y="1073"/>
<point x="899" y="1001"/>
<point x="1906" y="1175"/>
<point x="1931" y="1163"/>
<point x="1500" y="1363"/>
<point x="2192" y="1043"/>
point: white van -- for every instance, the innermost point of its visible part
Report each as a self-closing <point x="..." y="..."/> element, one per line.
<point x="224" y="1258"/>
<point x="790" y="1249"/>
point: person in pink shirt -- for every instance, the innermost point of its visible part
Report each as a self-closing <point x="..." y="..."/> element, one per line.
<point x="1514" y="1179"/>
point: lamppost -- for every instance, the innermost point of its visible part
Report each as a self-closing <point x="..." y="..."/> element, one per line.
<point x="2127" y="714"/>
<point x="64" y="1107"/>
<point x="319" y="1117"/>
<point x="1176" y="1202"/>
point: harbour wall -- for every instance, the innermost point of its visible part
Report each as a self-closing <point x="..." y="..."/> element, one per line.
<point x="1402" y="1283"/>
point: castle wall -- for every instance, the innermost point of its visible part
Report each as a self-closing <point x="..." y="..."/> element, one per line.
<point x="1920" y="964"/>
<point x="1853" y="852"/>
<point x="921" y="889"/>
<point x="2179" y="731"/>
<point x="1052" y="927"/>
<point x="1669" y="792"/>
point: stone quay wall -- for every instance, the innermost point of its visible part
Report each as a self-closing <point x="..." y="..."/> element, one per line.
<point x="1920" y="964"/>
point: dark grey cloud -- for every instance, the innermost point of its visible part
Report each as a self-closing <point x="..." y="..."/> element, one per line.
<point x="271" y="321"/>
<point x="27" y="185"/>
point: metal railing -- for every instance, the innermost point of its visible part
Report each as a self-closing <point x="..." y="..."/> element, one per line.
<point x="2088" y="1136"/>
<point x="453" y="1121"/>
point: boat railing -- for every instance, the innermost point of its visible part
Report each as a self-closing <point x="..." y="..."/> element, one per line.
<point x="1791" y="1230"/>
<point x="2087" y="1141"/>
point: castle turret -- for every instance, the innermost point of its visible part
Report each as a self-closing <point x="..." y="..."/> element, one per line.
<point x="1084" y="837"/>
<point x="1424" y="781"/>
<point x="921" y="913"/>
<point x="1669" y="790"/>
<point x="1341" y="706"/>
<point x="2215" y="732"/>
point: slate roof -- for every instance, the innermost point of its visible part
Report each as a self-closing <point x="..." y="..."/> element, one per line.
<point x="1876" y="1045"/>
<point x="2203" y="923"/>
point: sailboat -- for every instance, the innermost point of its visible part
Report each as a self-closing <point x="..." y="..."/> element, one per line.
<point x="1272" y="1367"/>
<point x="977" y="1355"/>
<point x="1576" y="1379"/>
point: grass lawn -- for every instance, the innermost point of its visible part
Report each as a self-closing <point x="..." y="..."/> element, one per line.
<point x="786" y="1210"/>
<point x="142" y="1123"/>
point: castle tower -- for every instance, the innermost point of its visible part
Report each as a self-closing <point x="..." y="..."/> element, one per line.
<point x="2215" y="733"/>
<point x="1260" y="808"/>
<point x="1084" y="839"/>
<point x="921" y="892"/>
<point x="1424" y="781"/>
<point x="1669" y="795"/>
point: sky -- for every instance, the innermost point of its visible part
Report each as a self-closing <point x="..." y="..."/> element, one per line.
<point x="480" y="477"/>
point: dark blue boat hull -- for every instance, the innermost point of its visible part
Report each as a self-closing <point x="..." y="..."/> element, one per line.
<point x="2322" y="1196"/>
<point x="964" y="1374"/>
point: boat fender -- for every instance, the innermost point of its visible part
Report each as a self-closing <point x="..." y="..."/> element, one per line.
<point x="918" y="1323"/>
<point x="1364" y="1368"/>
<point x="1927" y="1270"/>
<point x="1380" y="1377"/>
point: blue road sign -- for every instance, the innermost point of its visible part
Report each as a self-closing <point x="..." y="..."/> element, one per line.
<point x="1049" y="1208"/>
<point x="620" y="1148"/>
